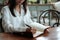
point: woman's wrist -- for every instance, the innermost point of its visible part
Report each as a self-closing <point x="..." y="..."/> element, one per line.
<point x="28" y="30"/>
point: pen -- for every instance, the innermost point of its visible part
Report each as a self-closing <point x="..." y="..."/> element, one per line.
<point x="28" y="26"/>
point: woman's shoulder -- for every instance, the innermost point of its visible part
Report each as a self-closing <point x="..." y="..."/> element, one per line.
<point x="5" y="7"/>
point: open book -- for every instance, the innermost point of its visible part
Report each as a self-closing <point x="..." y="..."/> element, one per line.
<point x="37" y="33"/>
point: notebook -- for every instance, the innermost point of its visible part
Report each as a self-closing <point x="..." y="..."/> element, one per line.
<point x="27" y="34"/>
<point x="37" y="33"/>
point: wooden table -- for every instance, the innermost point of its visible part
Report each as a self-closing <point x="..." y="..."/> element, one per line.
<point x="54" y="34"/>
<point x="51" y="36"/>
<point x="7" y="36"/>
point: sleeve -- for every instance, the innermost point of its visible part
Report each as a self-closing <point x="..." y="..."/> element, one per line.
<point x="28" y="21"/>
<point x="7" y="26"/>
<point x="27" y="17"/>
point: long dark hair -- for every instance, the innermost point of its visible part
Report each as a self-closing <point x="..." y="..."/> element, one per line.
<point x="12" y="4"/>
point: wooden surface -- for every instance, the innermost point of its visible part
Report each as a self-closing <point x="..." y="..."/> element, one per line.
<point x="54" y="34"/>
<point x="7" y="36"/>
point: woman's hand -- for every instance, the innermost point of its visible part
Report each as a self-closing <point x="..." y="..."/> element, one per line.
<point x="33" y="30"/>
<point x="28" y="30"/>
<point x="46" y="31"/>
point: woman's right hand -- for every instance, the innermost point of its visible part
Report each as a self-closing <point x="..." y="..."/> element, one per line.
<point x="28" y="30"/>
<point x="33" y="30"/>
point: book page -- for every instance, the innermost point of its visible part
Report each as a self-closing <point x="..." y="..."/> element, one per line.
<point x="37" y="33"/>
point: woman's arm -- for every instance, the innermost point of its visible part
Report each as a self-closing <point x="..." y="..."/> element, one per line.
<point x="28" y="21"/>
<point x="7" y="26"/>
<point x="27" y="17"/>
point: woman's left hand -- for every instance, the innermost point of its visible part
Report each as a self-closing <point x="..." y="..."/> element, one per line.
<point x="46" y="31"/>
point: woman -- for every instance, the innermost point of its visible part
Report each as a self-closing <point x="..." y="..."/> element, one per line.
<point x="16" y="17"/>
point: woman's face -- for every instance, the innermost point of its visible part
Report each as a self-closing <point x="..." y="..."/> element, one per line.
<point x="18" y="2"/>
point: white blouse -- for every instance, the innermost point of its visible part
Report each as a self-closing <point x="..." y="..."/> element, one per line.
<point x="11" y="23"/>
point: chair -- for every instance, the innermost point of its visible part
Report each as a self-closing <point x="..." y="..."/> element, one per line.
<point x="56" y="25"/>
<point x="49" y="17"/>
<point x="1" y="28"/>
